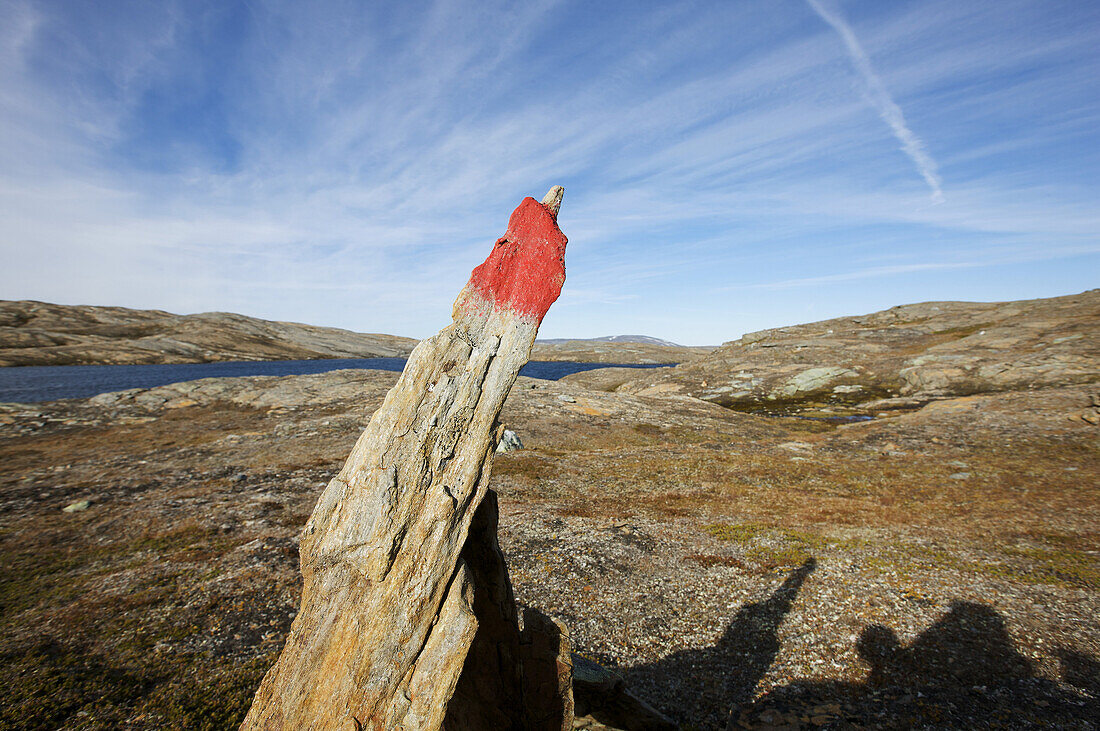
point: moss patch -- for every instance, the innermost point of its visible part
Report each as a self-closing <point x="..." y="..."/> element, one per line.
<point x="770" y="547"/>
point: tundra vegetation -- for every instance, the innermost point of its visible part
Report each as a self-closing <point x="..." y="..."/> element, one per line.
<point x="937" y="565"/>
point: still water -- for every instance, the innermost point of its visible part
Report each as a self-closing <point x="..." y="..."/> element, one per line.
<point x="26" y="384"/>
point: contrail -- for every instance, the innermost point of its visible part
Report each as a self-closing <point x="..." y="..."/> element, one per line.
<point x="884" y="103"/>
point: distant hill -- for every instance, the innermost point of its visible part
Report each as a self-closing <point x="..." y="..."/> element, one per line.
<point x="616" y="349"/>
<point x="646" y="339"/>
<point x="38" y="333"/>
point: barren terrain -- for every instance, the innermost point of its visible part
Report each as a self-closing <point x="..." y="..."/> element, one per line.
<point x="897" y="358"/>
<point x="934" y="567"/>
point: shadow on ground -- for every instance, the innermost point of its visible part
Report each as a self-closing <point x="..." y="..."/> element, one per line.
<point x="961" y="672"/>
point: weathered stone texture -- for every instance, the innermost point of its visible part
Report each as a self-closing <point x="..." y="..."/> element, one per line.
<point x="390" y="614"/>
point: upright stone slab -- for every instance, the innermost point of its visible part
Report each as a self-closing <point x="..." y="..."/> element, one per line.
<point x="394" y="594"/>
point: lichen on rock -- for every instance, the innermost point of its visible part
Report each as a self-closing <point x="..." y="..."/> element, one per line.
<point x="405" y="592"/>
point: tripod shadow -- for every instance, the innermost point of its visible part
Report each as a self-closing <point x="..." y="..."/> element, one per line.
<point x="709" y="681"/>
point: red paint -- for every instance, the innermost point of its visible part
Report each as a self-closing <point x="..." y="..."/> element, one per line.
<point x="526" y="269"/>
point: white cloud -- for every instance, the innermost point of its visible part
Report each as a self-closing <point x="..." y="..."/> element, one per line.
<point x="380" y="157"/>
<point x="881" y="99"/>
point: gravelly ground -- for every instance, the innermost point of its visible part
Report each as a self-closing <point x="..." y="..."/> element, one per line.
<point x="935" y="569"/>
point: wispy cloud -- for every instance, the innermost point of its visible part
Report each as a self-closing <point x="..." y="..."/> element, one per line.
<point x="348" y="164"/>
<point x="881" y="99"/>
<point x="868" y="273"/>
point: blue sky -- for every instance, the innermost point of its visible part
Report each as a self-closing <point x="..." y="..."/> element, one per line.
<point x="728" y="166"/>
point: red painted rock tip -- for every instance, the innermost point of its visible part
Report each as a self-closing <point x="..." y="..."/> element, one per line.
<point x="526" y="269"/>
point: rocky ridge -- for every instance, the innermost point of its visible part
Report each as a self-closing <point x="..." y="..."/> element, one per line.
<point x="897" y="358"/>
<point x="38" y="333"/>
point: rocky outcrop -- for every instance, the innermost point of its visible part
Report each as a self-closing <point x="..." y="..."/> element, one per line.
<point x="38" y="333"/>
<point x="407" y="618"/>
<point x="906" y="355"/>
<point x="602" y="693"/>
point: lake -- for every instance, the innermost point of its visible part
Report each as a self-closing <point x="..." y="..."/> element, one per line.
<point x="26" y="384"/>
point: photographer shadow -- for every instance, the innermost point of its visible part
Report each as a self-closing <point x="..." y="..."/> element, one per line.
<point x="709" y="681"/>
<point x="963" y="671"/>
